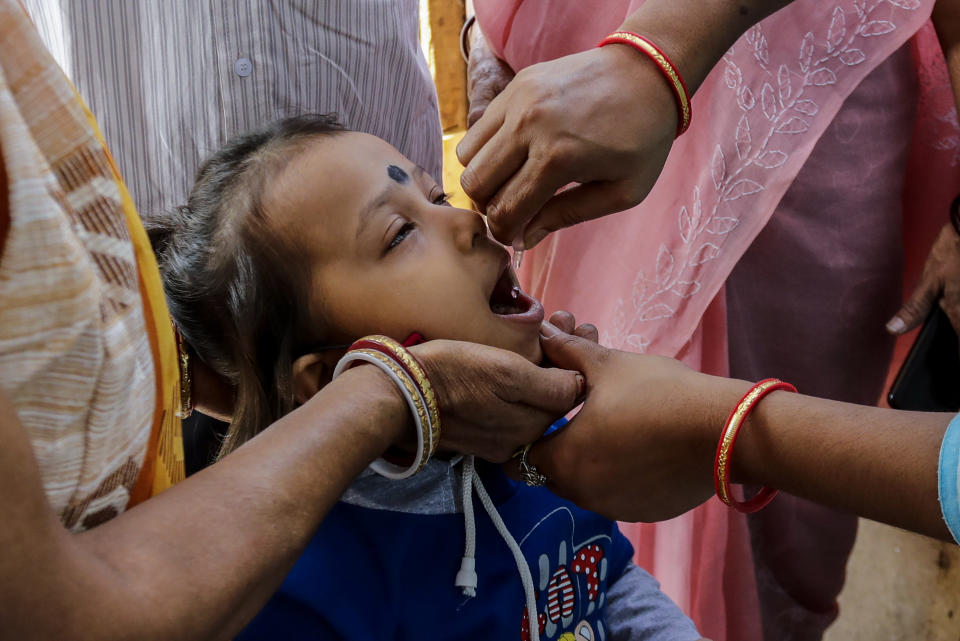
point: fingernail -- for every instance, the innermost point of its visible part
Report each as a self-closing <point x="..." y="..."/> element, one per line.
<point x="548" y="329"/>
<point x="534" y="237"/>
<point x="896" y="325"/>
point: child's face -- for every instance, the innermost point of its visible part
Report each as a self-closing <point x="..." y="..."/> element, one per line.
<point x="387" y="255"/>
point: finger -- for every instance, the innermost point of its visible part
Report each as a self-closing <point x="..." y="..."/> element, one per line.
<point x="478" y="135"/>
<point x="568" y="351"/>
<point x="543" y="455"/>
<point x="588" y="331"/>
<point x="576" y="205"/>
<point x="480" y="98"/>
<point x="499" y="159"/>
<point x="516" y="426"/>
<point x="553" y="390"/>
<point x="477" y="109"/>
<point x="915" y="310"/>
<point x="519" y="199"/>
<point x="564" y="321"/>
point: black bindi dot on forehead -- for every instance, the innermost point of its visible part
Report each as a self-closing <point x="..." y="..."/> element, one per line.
<point x="397" y="175"/>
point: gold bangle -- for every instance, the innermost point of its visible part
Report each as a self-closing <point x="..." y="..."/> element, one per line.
<point x="413" y="398"/>
<point x="399" y="353"/>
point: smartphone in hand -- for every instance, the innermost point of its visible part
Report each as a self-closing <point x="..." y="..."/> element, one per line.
<point x="929" y="380"/>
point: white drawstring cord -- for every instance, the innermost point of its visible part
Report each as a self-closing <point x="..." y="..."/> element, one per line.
<point x="467" y="576"/>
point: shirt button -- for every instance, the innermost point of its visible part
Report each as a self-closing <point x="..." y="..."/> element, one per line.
<point x="243" y="67"/>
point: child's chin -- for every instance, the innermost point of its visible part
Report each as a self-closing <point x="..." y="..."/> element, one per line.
<point x="534" y="353"/>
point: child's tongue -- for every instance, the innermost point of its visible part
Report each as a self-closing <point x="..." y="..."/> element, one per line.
<point x="507" y="298"/>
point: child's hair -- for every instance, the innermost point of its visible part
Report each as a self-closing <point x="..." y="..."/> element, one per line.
<point x="231" y="284"/>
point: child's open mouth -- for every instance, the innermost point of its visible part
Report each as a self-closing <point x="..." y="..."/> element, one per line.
<point x="507" y="299"/>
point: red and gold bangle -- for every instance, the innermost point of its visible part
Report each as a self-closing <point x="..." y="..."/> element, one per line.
<point x="721" y="466"/>
<point x="415" y="402"/>
<point x="677" y="85"/>
<point x="391" y="348"/>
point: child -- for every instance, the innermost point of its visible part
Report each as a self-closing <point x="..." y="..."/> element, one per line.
<point x="299" y="239"/>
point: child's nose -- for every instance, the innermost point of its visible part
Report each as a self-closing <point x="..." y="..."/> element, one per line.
<point x="469" y="229"/>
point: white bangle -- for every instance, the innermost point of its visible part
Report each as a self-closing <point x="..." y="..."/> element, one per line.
<point x="415" y="402"/>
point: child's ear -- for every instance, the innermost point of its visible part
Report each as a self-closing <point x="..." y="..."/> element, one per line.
<point x="311" y="372"/>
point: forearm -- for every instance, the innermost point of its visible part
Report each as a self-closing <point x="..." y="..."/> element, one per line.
<point x="875" y="462"/>
<point x="198" y="561"/>
<point x="696" y="33"/>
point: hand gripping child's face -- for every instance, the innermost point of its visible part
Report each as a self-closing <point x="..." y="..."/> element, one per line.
<point x="388" y="255"/>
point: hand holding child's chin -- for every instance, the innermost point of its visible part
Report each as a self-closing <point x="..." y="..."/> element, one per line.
<point x="493" y="401"/>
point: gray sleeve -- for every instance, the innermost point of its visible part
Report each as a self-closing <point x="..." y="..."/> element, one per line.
<point x="638" y="610"/>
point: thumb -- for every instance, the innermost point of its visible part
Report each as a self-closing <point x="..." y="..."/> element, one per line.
<point x="576" y="205"/>
<point x="568" y="351"/>
<point x="915" y="310"/>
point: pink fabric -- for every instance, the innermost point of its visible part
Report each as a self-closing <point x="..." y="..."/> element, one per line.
<point x="651" y="278"/>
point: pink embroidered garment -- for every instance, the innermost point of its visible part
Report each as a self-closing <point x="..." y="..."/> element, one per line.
<point x="652" y="278"/>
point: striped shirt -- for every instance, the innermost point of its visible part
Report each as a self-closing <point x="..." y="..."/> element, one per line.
<point x="171" y="80"/>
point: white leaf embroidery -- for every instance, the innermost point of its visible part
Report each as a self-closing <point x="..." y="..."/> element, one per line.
<point x="706" y="252"/>
<point x="795" y="125"/>
<point x="806" y="52"/>
<point x="823" y="77"/>
<point x="909" y="5"/>
<point x="719" y="167"/>
<point x="686" y="288"/>
<point x="807" y="107"/>
<point x="732" y="75"/>
<point x="877" y="28"/>
<point x="761" y="50"/>
<point x="685" y="226"/>
<point x="837" y="30"/>
<point x="745" y="99"/>
<point x="665" y="262"/>
<point x="658" y="311"/>
<point x="639" y="291"/>
<point x="619" y="318"/>
<point x="743" y="137"/>
<point x="638" y="341"/>
<point x="720" y="225"/>
<point x="852" y="57"/>
<point x="741" y="188"/>
<point x="784" y="85"/>
<point x="771" y="159"/>
<point x="767" y="101"/>
<point x="697" y="208"/>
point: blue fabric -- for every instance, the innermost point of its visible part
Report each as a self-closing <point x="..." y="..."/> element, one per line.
<point x="380" y="574"/>
<point x="948" y="477"/>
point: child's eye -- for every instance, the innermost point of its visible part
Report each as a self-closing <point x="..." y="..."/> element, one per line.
<point x="401" y="235"/>
<point x="441" y="199"/>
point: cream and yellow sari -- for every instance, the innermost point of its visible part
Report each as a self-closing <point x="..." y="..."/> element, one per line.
<point x="87" y="353"/>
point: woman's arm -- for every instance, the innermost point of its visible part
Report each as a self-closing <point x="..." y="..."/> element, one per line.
<point x="604" y="118"/>
<point x="642" y="447"/>
<point x="199" y="560"/>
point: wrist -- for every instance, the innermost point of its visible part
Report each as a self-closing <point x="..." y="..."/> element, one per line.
<point x="634" y="70"/>
<point x="388" y="420"/>
<point x="696" y="33"/>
